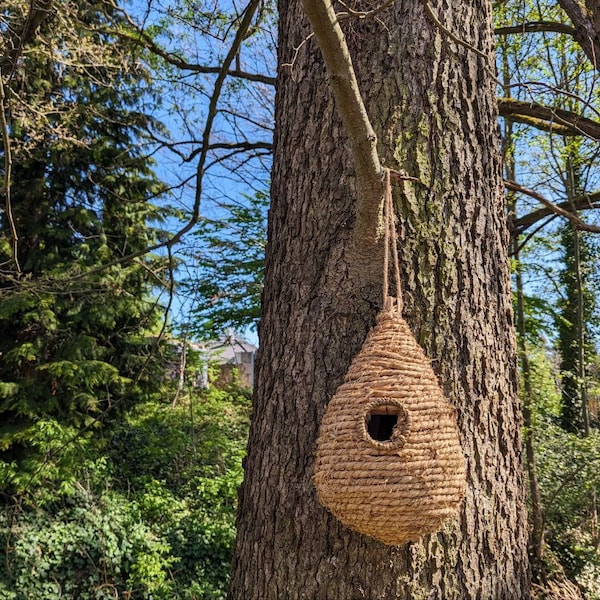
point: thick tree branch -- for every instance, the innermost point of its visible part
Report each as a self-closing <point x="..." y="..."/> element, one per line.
<point x="585" y="202"/>
<point x="536" y="26"/>
<point x="362" y="138"/>
<point x="586" y="19"/>
<point x="562" y="122"/>
<point x="552" y="208"/>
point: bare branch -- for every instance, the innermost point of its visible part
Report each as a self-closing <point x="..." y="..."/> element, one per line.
<point x="235" y="152"/>
<point x="555" y="120"/>
<point x="585" y="202"/>
<point x="536" y="26"/>
<point x="212" y="112"/>
<point x="360" y="14"/>
<point x="290" y="65"/>
<point x="245" y="23"/>
<point x="237" y="147"/>
<point x="530" y="235"/>
<point x="451" y="35"/>
<point x="533" y="86"/>
<point x="552" y="207"/>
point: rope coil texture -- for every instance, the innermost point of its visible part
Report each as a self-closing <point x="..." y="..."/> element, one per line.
<point x="389" y="463"/>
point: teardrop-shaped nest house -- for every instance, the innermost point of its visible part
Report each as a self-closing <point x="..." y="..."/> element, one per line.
<point x="389" y="462"/>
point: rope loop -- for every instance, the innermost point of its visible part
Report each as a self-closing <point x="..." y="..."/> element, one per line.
<point x="390" y="241"/>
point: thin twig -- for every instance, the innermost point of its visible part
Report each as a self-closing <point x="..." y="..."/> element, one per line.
<point x="566" y="481"/>
<point x="365" y="14"/>
<point x="451" y="35"/>
<point x="237" y="146"/>
<point x="6" y="188"/>
<point x="297" y="49"/>
<point x="401" y="175"/>
<point x="531" y="234"/>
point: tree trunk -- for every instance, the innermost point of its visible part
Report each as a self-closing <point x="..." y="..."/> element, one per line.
<point x="577" y="308"/>
<point x="536" y="550"/>
<point x="586" y="19"/>
<point x="433" y="106"/>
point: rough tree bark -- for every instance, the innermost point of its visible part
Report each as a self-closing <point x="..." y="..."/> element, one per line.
<point x="433" y="107"/>
<point x="585" y="16"/>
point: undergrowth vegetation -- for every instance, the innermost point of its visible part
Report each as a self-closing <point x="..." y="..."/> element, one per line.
<point x="151" y="515"/>
<point x="568" y="470"/>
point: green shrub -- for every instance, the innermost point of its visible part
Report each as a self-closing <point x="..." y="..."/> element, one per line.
<point x="569" y="474"/>
<point x="150" y="515"/>
<point x="91" y="548"/>
<point x="184" y="466"/>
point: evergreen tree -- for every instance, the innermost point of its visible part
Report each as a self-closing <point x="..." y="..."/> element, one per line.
<point x="576" y="314"/>
<point x="577" y="304"/>
<point x="73" y="333"/>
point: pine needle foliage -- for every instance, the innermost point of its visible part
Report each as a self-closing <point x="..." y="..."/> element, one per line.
<point x="75" y="336"/>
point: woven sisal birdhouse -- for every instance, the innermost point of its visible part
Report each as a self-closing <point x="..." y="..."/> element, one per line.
<point x="389" y="463"/>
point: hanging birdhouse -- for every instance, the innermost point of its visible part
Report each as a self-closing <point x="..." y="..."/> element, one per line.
<point x="389" y="462"/>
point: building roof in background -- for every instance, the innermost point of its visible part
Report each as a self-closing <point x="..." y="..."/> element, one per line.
<point x="226" y="349"/>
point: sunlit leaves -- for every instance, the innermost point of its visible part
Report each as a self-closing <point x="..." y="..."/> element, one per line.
<point x="226" y="268"/>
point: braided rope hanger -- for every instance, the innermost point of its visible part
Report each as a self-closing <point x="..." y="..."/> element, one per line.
<point x="390" y="239"/>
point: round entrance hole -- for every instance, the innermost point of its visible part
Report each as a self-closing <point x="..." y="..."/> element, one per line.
<point x="386" y="424"/>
